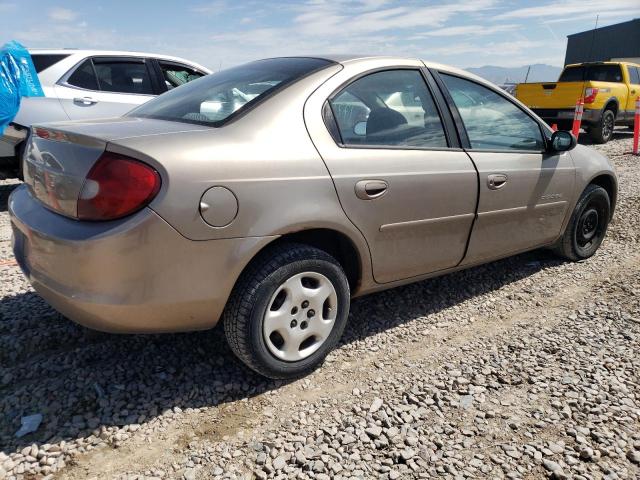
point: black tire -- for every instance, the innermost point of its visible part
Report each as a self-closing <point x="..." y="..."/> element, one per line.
<point x="603" y="130"/>
<point x="20" y="160"/>
<point x="564" y="125"/>
<point x="244" y="314"/>
<point x="588" y="225"/>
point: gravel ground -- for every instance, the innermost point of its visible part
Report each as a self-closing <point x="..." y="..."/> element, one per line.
<point x="523" y="368"/>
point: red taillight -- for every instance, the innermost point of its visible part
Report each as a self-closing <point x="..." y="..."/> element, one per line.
<point x="117" y="186"/>
<point x="41" y="132"/>
<point x="590" y="94"/>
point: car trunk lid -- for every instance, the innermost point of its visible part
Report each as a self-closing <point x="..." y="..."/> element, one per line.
<point x="59" y="156"/>
<point x="56" y="164"/>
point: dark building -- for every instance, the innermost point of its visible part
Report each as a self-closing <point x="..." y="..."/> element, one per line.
<point x="613" y="42"/>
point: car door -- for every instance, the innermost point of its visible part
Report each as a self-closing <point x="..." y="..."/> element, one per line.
<point x="525" y="192"/>
<point x="106" y="87"/>
<point x="398" y="175"/>
<point x="634" y="91"/>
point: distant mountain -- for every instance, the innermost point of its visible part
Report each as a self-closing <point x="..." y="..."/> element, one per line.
<point x="539" y="73"/>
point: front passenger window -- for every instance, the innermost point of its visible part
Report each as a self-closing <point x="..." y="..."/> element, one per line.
<point x="492" y="122"/>
<point x="123" y="77"/>
<point x="389" y="108"/>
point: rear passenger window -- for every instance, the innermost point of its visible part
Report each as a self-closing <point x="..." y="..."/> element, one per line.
<point x="176" y="75"/>
<point x="390" y="108"/>
<point x="42" y="61"/>
<point x="634" y="74"/>
<point x="123" y="77"/>
<point x="492" y="122"/>
<point x="84" y="76"/>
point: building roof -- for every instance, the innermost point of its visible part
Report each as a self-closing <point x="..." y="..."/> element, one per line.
<point x="615" y="26"/>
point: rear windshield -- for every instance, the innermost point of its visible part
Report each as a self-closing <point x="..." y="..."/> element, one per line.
<point x="215" y="99"/>
<point x="596" y="73"/>
<point x="42" y="61"/>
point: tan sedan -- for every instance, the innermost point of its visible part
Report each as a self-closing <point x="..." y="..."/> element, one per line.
<point x="271" y="193"/>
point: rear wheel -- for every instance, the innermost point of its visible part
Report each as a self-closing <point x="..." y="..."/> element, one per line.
<point x="287" y="311"/>
<point x="588" y="225"/>
<point x="603" y="130"/>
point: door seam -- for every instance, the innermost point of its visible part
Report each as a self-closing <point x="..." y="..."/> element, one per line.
<point x="475" y="217"/>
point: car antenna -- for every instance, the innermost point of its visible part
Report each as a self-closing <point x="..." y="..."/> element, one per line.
<point x="593" y="38"/>
<point x="527" y="75"/>
<point x="589" y="59"/>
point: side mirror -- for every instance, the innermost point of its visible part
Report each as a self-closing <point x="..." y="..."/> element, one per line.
<point x="562" y="141"/>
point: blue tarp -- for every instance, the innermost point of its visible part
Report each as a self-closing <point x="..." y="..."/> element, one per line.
<point x="18" y="78"/>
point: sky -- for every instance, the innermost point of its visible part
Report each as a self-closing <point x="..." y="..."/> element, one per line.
<point x="223" y="33"/>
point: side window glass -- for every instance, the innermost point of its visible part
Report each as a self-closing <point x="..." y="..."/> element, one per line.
<point x="84" y="76"/>
<point x="390" y="108"/>
<point x="42" y="61"/>
<point x="492" y="122"/>
<point x="123" y="77"/>
<point x="175" y="75"/>
<point x="634" y="74"/>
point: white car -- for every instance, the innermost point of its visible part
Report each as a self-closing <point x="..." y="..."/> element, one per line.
<point x="89" y="84"/>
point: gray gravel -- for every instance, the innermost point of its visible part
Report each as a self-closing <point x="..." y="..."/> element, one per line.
<point x="524" y="368"/>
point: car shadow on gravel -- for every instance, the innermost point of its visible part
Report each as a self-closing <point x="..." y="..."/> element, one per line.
<point x="84" y="383"/>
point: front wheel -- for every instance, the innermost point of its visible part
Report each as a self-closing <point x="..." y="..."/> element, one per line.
<point x="287" y="311"/>
<point x="603" y="130"/>
<point x="588" y="225"/>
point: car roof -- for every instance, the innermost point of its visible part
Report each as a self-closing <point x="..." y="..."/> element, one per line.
<point x="112" y="53"/>
<point x="350" y="59"/>
<point x="608" y="62"/>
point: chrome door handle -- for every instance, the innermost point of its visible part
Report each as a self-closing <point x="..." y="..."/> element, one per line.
<point x="496" y="181"/>
<point x="371" y="189"/>
<point x="85" y="101"/>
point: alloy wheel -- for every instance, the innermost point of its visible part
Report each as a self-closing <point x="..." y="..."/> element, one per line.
<point x="607" y="126"/>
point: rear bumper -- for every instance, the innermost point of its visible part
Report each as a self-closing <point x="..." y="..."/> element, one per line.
<point x="136" y="275"/>
<point x="555" y="115"/>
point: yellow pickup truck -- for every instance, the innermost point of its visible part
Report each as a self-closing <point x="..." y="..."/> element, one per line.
<point x="609" y="90"/>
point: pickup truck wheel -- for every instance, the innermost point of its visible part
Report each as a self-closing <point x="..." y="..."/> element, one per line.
<point x="603" y="131"/>
<point x="588" y="225"/>
<point x="287" y="311"/>
<point x="564" y="126"/>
